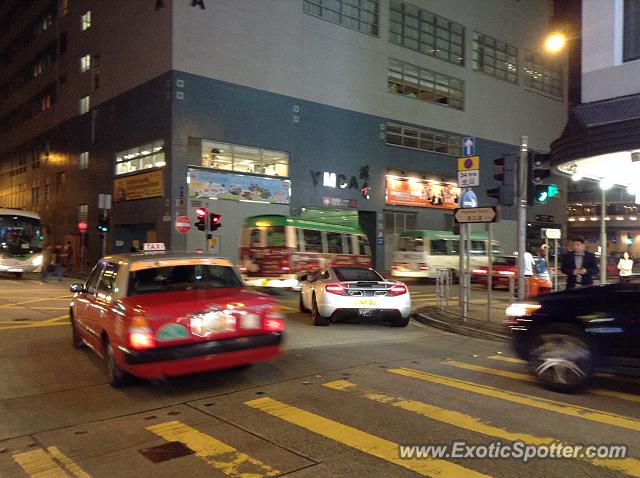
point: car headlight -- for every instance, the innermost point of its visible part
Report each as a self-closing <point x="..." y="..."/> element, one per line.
<point x="37" y="261"/>
<point x="521" y="310"/>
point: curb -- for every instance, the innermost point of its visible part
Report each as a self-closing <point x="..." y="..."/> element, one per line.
<point x="430" y="319"/>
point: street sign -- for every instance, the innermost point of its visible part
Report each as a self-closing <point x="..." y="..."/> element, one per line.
<point x="82" y="226"/>
<point x="380" y="241"/>
<point x="183" y="224"/>
<point x="553" y="233"/>
<point x="104" y="201"/>
<point x="468" y="163"/>
<point x="469" y="199"/>
<point x="214" y="244"/>
<point x="476" y="214"/>
<point x="467" y="179"/>
<point x="469" y="146"/>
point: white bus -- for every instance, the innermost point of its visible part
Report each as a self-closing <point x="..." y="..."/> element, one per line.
<point x="420" y="254"/>
<point x="20" y="242"/>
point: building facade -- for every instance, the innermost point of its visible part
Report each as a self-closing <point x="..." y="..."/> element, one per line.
<point x="600" y="145"/>
<point x="251" y="107"/>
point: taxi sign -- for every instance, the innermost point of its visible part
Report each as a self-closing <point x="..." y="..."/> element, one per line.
<point x="153" y="246"/>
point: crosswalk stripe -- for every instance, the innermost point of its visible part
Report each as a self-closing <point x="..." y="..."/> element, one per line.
<point x="522" y="399"/>
<point x="362" y="441"/>
<point x="502" y="358"/>
<point x="218" y="454"/>
<point x="528" y="378"/>
<point x="630" y="466"/>
<point x="50" y="463"/>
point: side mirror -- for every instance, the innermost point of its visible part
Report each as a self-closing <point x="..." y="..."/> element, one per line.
<point x="77" y="288"/>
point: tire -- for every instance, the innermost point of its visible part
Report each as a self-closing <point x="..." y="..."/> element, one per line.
<point x="318" y="320"/>
<point x="18" y="275"/>
<point x="562" y="358"/>
<point x="76" y="340"/>
<point x="400" y="322"/>
<point x="302" y="307"/>
<point x="115" y="375"/>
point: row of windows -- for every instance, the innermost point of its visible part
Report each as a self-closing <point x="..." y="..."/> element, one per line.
<point x="631" y="29"/>
<point x="244" y="159"/>
<point x="541" y="75"/>
<point x="311" y="240"/>
<point x="42" y="24"/>
<point x="495" y="58"/>
<point x="423" y="139"/>
<point x="425" y="85"/>
<point x="146" y="156"/>
<point x="361" y="15"/>
<point x="40" y="102"/>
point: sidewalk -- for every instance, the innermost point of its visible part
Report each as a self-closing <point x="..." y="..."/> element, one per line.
<point x="476" y="324"/>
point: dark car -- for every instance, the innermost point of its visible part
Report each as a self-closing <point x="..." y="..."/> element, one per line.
<point x="568" y="335"/>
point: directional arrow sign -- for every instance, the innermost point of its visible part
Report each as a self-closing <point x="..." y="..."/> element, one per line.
<point x="476" y="214"/>
<point x="468" y="146"/>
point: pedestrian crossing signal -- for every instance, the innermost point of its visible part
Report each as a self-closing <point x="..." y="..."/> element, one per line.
<point x="103" y="225"/>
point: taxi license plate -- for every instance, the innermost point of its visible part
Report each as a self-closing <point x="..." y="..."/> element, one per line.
<point x="212" y="322"/>
<point x="250" y="322"/>
<point x="367" y="302"/>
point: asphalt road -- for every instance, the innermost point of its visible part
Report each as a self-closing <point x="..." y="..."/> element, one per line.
<point x="337" y="402"/>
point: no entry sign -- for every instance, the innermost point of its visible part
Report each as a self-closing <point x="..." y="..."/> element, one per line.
<point x="183" y="224"/>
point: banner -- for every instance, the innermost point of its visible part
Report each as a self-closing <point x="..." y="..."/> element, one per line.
<point x="402" y="191"/>
<point x="236" y="187"/>
<point x="139" y="186"/>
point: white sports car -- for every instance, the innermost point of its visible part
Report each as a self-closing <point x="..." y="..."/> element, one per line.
<point x="343" y="291"/>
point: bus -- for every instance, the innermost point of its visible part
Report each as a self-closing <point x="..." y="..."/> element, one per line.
<point x="278" y="251"/>
<point x="20" y="242"/>
<point x="419" y="254"/>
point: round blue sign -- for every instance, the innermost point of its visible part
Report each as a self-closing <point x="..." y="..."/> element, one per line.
<point x="469" y="199"/>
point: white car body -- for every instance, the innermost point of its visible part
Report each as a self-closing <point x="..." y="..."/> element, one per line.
<point x="354" y="297"/>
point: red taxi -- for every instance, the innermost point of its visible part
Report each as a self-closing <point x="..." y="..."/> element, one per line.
<point x="160" y="314"/>
<point x="503" y="268"/>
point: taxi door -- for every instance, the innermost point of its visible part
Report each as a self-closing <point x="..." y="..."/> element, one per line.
<point x="102" y="315"/>
<point x="83" y="309"/>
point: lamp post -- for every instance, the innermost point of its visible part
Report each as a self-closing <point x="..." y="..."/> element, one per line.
<point x="604" y="185"/>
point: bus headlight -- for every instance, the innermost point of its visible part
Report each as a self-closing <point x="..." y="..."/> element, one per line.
<point x="37" y="261"/>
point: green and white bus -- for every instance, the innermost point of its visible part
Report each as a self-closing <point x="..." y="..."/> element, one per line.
<point x="419" y="254"/>
<point x="20" y="242"/>
<point x="277" y="251"/>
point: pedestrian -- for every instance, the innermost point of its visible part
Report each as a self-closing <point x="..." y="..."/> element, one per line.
<point x="579" y="265"/>
<point x="625" y="266"/>
<point x="59" y="261"/>
<point x="529" y="264"/>
<point x="47" y="257"/>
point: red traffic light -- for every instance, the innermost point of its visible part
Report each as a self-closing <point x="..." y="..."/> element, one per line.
<point x="201" y="212"/>
<point x="216" y="218"/>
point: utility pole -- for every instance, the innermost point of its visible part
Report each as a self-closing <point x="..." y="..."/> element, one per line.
<point x="603" y="239"/>
<point x="522" y="214"/>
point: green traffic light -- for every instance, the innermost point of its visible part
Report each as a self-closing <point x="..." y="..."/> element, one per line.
<point x="552" y="190"/>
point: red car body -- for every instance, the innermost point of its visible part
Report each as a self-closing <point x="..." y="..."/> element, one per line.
<point x="127" y="313"/>
<point x="503" y="268"/>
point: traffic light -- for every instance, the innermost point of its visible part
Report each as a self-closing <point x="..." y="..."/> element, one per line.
<point x="216" y="221"/>
<point x="201" y="214"/>
<point x="539" y="166"/>
<point x="103" y="225"/>
<point x="506" y="192"/>
<point x="365" y="190"/>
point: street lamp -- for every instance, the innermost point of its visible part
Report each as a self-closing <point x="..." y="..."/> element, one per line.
<point x="555" y="42"/>
<point x="605" y="184"/>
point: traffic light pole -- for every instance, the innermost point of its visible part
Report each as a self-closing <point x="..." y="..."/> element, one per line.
<point x="104" y="235"/>
<point x="207" y="228"/>
<point x="522" y="214"/>
<point x="603" y="239"/>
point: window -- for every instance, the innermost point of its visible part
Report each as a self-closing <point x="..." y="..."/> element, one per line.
<point x="275" y="236"/>
<point x="61" y="179"/>
<point x="439" y="247"/>
<point x="542" y="74"/>
<point x="631" y="36"/>
<point x="411" y="244"/>
<point x="35" y="195"/>
<point x="478" y="248"/>
<point x="349" y="242"/>
<point x="425" y="85"/>
<point x="495" y="58"/>
<point x="423" y="139"/>
<point x="107" y="284"/>
<point x="147" y="156"/>
<point x="255" y="239"/>
<point x="84" y="160"/>
<point x="84" y="105"/>
<point x="245" y="159"/>
<point x="334" y="243"/>
<point x="83" y="212"/>
<point x="181" y="278"/>
<point x="361" y="15"/>
<point x="349" y="274"/>
<point x="312" y="240"/>
<point x="85" y="20"/>
<point x="85" y="63"/>
<point x="425" y="32"/>
<point x="363" y="246"/>
<point x="92" y="282"/>
<point x="46" y="193"/>
<point x="399" y="221"/>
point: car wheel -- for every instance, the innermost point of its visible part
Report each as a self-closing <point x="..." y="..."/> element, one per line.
<point x="302" y="307"/>
<point x="561" y="359"/>
<point x="318" y="320"/>
<point x="116" y="376"/>
<point x="18" y="275"/>
<point x="400" y="322"/>
<point x="77" y="341"/>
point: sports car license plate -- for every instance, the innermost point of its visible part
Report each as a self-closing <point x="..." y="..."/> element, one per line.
<point x="367" y="302"/>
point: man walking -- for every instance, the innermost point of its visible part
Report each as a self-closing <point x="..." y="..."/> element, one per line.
<point x="579" y="265"/>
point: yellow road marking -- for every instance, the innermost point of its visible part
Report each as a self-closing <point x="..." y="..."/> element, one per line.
<point x="219" y="455"/>
<point x="362" y="441"/>
<point x="34" y="307"/>
<point x="56" y="319"/>
<point x="528" y="378"/>
<point x="288" y="309"/>
<point x="62" y="297"/>
<point x="522" y="399"/>
<point x="630" y="466"/>
<point x="40" y="464"/>
<point x="507" y="359"/>
<point x="32" y="325"/>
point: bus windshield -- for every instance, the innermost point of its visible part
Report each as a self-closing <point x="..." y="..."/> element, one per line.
<point x="19" y="235"/>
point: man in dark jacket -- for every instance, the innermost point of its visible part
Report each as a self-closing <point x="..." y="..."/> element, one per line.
<point x="579" y="265"/>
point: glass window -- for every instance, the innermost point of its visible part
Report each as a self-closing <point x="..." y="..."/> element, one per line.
<point x="107" y="284"/>
<point x="312" y="240"/>
<point x="478" y="248"/>
<point x="439" y="247"/>
<point x="83" y="212"/>
<point x="504" y="261"/>
<point x="429" y="140"/>
<point x="255" y="238"/>
<point x="85" y="105"/>
<point x="543" y="74"/>
<point x="180" y="278"/>
<point x="358" y="15"/>
<point x="347" y="274"/>
<point x="495" y="57"/>
<point x="363" y="246"/>
<point x="85" y="20"/>
<point x="92" y="281"/>
<point x="246" y="159"/>
<point x="275" y="236"/>
<point x="147" y="156"/>
<point x="414" y="82"/>
<point x="84" y="160"/>
<point x="425" y="32"/>
<point x="631" y="36"/>
<point x="334" y="243"/>
<point x="85" y="63"/>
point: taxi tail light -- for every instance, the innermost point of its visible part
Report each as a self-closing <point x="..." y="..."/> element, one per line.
<point x="424" y="267"/>
<point x="242" y="269"/>
<point x="479" y="271"/>
<point x="140" y="333"/>
<point x="395" y="267"/>
<point x="273" y="321"/>
<point x="286" y="269"/>
<point x="337" y="289"/>
<point x="506" y="273"/>
<point x="397" y="289"/>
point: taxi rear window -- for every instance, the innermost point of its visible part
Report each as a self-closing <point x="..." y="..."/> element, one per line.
<point x="182" y="277"/>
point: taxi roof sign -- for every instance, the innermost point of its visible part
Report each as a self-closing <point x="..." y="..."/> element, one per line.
<point x="153" y="246"/>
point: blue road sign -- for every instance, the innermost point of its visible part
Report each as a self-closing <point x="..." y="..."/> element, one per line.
<point x="468" y="146"/>
<point x="469" y="199"/>
<point x="380" y="241"/>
